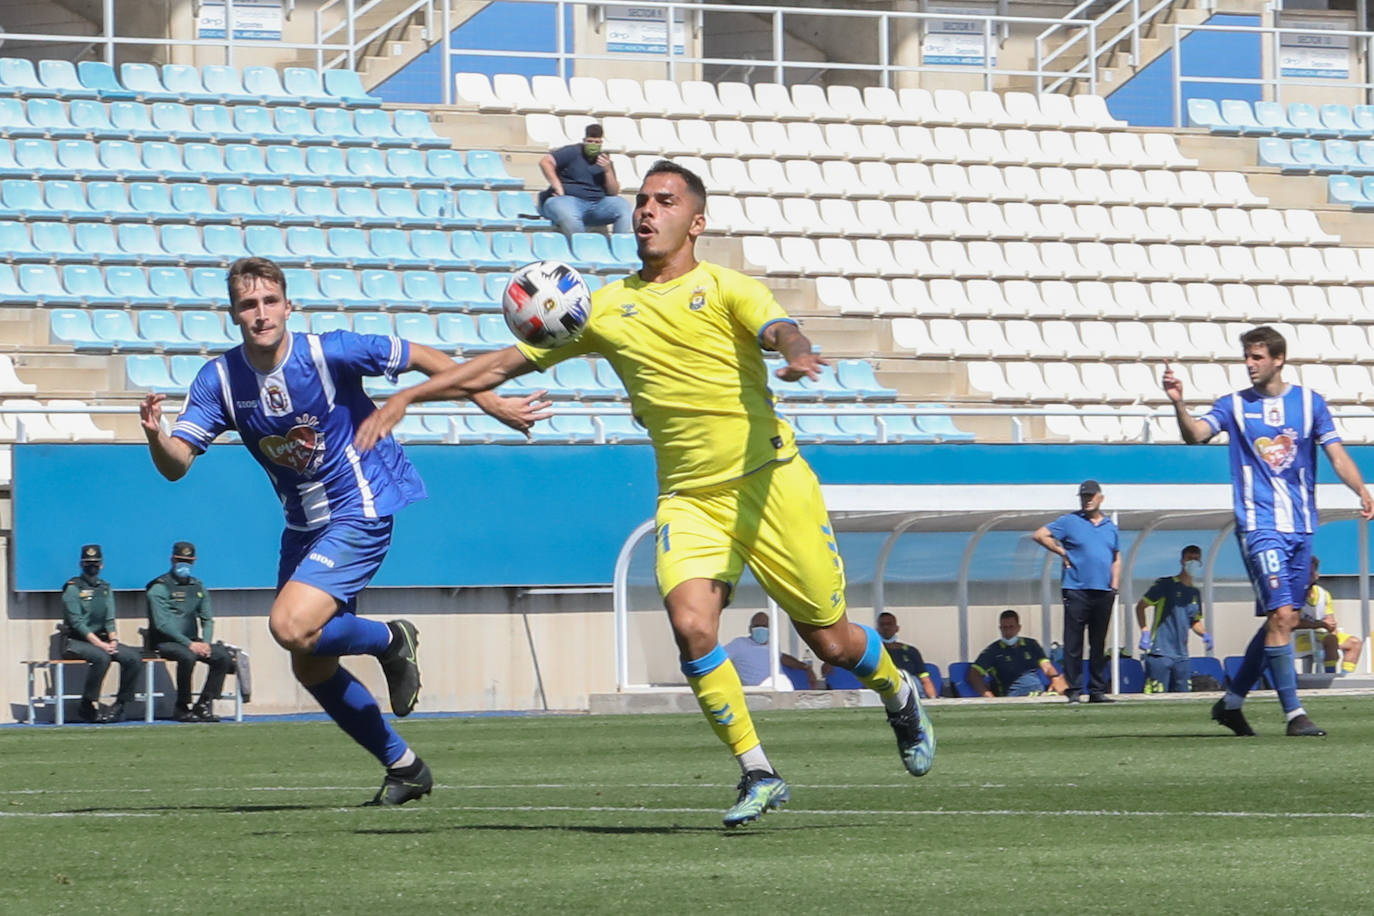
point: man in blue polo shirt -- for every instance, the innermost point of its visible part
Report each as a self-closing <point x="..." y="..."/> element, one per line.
<point x="1088" y="543"/>
<point x="583" y="189"/>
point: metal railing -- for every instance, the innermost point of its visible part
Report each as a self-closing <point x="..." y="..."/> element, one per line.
<point x="1097" y="48"/>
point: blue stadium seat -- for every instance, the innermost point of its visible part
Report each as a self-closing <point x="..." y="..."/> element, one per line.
<point x="1341" y="157"/>
<point x="417" y="130"/>
<point x="623" y="430"/>
<point x="328" y="163"/>
<point x="553" y="246"/>
<point x="172" y="285"/>
<point x="1366" y="188"/>
<point x="226" y="84"/>
<point x="40" y="157"/>
<point x="60" y="77"/>
<point x="1274" y="152"/>
<point x="55" y="240"/>
<point x="185" y="245"/>
<point x="337" y="124"/>
<point x="488" y="167"/>
<point x="324" y="322"/>
<point x="423" y="289"/>
<point x="467" y="288"/>
<point x="439" y="207"/>
<point x="459" y="333"/>
<point x="606" y="375"/>
<point x="258" y="124"/>
<point x="378" y="323"/>
<point x="208" y="282"/>
<point x="303" y="288"/>
<point x="174" y="120"/>
<point x="153" y="201"/>
<point x="92" y="119"/>
<point x="360" y="205"/>
<point x="207" y="160"/>
<point x="842" y="679"/>
<point x="296" y="323"/>
<point x="416" y="429"/>
<point x="206" y="329"/>
<point x="73" y="327"/>
<point x="512" y="249"/>
<point x="217" y="121"/>
<point x="492" y="329"/>
<point x="41" y="283"/>
<point x="449" y="166"/>
<point x="80" y="157"/>
<point x="14" y="120"/>
<point x="345" y="86"/>
<point x="570" y="429"/>
<point x="341" y="288"/>
<point x="145" y="81"/>
<point x="133" y="121"/>
<point x="287" y="163"/>
<point x="900" y="426"/>
<point x="149" y="372"/>
<point x="856" y="427"/>
<point x="398" y="206"/>
<point x="382" y="288"/>
<point x="1305" y="118"/>
<point x="418" y="327"/>
<point x="813" y="428"/>
<point x="479" y="208"/>
<point x="1244" y="119"/>
<point x="941" y="426"/>
<point x="394" y="245"/>
<point x="375" y="124"/>
<point x="432" y="246"/>
<point x="827" y="387"/>
<point x="305" y="86"/>
<point x="1209" y="666"/>
<point x="1308" y="155"/>
<point x="473" y="250"/>
<point x="101" y="77"/>
<point x="69" y="199"/>
<point x="162" y="329"/>
<point x="1270" y="118"/>
<point x="857" y="376"/>
<point x="248" y="163"/>
<point x="309" y="243"/>
<point x="16" y="243"/>
<point x="18" y="78"/>
<point x="193" y="203"/>
<point x="275" y="203"/>
<point x="185" y="82"/>
<point x="87" y="282"/>
<point x="225" y="244"/>
<point x="165" y="158"/>
<point x="958" y="675"/>
<point x="184" y="369"/>
<point x="266" y="242"/>
<point x="578" y="376"/>
<point x="935" y="678"/>
<point x="121" y="157"/>
<point x="100" y="244"/>
<point x="408" y="167"/>
<point x="496" y="284"/>
<point x="1205" y="113"/>
<point x="50" y="117"/>
<point x="369" y="164"/>
<point x="130" y="284"/>
<point x="320" y="206"/>
<point x="1345" y="189"/>
<point x="593" y="250"/>
<point x="519" y="205"/>
<point x="298" y="123"/>
<point x="489" y="429"/>
<point x="264" y="83"/>
<point x="10" y="167"/>
<point x="1339" y="119"/>
<point x="139" y="243"/>
<point x="1231" y="665"/>
<point x="115" y="327"/>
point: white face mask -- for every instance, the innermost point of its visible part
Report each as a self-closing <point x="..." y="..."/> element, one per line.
<point x="759" y="635"/>
<point x="1009" y="642"/>
<point x="1193" y="568"/>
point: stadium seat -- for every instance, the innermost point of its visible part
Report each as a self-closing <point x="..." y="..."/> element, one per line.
<point x="265" y="84"/>
<point x="73" y="327"/>
<point x="342" y="289"/>
<point x="114" y="328"/>
<point x="487" y="167"/>
<point x="346" y="86"/>
<point x="246" y="163"/>
<point x="1208" y="666"/>
<point x="459" y="333"/>
<point x="418" y="328"/>
<point x="306" y="86"/>
<point x="1231" y="665"/>
<point x="146" y="83"/>
<point x="382" y="288"/>
<point x="958" y="676"/>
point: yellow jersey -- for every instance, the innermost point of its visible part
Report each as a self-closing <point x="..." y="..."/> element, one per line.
<point x="689" y="354"/>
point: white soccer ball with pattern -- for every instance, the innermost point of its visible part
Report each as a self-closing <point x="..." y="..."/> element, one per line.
<point x="546" y="303"/>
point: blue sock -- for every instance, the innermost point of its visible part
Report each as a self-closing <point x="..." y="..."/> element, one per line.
<point x="873" y="653"/>
<point x="1280" y="662"/>
<point x="1250" y="668"/>
<point x="349" y="634"/>
<point x="352" y="708"/>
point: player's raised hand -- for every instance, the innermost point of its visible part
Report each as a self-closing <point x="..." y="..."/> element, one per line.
<point x="1172" y="386"/>
<point x="150" y="413"/>
<point x="1366" y="505"/>
<point x="805" y="364"/>
<point x="378" y="425"/>
<point x="520" y="412"/>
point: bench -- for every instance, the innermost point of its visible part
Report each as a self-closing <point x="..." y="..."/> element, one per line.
<point x="57" y="694"/>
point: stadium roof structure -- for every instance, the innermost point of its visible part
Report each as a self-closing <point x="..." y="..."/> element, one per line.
<point x="902" y="508"/>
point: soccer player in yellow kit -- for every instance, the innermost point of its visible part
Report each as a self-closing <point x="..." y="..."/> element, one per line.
<point x="685" y="336"/>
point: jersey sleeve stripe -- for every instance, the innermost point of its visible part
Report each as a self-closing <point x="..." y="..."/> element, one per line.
<point x="321" y="367"/>
<point x="769" y="324"/>
<point x="393" y="362"/>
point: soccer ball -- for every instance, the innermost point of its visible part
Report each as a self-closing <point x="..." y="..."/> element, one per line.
<point x="546" y="303"/>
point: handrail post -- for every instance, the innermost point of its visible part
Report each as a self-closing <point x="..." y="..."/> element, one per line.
<point x="1092" y="57"/>
<point x="445" y="58"/>
<point x="885" y="51"/>
<point x="352" y="37"/>
<point x="108" y="13"/>
<point x="778" y="48"/>
<point x="229" y="33"/>
<point x="987" y="54"/>
<point x="1135" y="34"/>
<point x="1177" y="77"/>
<point x="560" y="43"/>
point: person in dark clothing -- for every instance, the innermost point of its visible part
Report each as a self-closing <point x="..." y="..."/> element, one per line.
<point x="583" y="189"/>
<point x="180" y="627"/>
<point x="90" y="617"/>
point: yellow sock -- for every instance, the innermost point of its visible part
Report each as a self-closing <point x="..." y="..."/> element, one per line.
<point x="718" y="690"/>
<point x="1348" y="667"/>
<point x="885" y="680"/>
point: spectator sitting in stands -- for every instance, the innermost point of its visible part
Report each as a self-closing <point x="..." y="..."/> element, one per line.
<point x="1010" y="666"/>
<point x="750" y="655"/>
<point x="1318" y="622"/>
<point x="583" y="189"/>
<point x="180" y="627"/>
<point x="90" y="618"/>
<point x="906" y="657"/>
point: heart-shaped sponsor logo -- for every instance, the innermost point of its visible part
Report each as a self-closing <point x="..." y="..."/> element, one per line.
<point x="297" y="450"/>
<point x="1278" y="452"/>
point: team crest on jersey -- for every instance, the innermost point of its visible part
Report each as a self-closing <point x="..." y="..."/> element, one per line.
<point x="1280" y="451"/>
<point x="698" y="299"/>
<point x="628" y="310"/>
<point x="301" y="449"/>
<point x="275" y="396"/>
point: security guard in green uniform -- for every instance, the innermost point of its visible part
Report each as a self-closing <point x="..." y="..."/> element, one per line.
<point x="90" y="618"/>
<point x="180" y="627"/>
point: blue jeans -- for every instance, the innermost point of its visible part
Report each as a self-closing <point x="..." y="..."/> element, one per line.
<point x="573" y="214"/>
<point x="1027" y="684"/>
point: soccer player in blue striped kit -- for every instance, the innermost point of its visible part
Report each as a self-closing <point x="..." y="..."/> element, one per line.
<point x="1273" y="430"/>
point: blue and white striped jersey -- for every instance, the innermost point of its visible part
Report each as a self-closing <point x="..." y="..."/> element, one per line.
<point x="1273" y="446"/>
<point x="298" y="422"/>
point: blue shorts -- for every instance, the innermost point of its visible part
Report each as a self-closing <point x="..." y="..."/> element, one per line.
<point x="340" y="558"/>
<point x="1280" y="568"/>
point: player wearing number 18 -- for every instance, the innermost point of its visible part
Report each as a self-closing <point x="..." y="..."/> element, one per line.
<point x="685" y="337"/>
<point x="1273" y="430"/>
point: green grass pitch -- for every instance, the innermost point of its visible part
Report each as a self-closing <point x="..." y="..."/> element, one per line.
<point x="1136" y="807"/>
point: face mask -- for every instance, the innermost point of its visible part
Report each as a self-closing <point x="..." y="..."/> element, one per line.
<point x="90" y="569"/>
<point x="1193" y="568"/>
<point x="182" y="570"/>
<point x="1010" y="642"/>
<point x="889" y="639"/>
<point x="591" y="150"/>
<point x="759" y="635"/>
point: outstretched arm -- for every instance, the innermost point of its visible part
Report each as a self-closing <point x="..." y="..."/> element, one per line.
<point x="1349" y="473"/>
<point x="1192" y="430"/>
<point x="459" y="381"/>
<point x="795" y="347"/>
<point x="172" y="457"/>
<point x="519" y="412"/>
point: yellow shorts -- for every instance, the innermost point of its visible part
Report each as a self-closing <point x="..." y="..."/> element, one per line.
<point x="774" y="520"/>
<point x="1302" y="639"/>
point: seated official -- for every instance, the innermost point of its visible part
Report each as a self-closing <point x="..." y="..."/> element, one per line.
<point x="89" y="612"/>
<point x="1011" y="666"/>
<point x="906" y="657"/>
<point x="180" y="627"/>
<point x="753" y="660"/>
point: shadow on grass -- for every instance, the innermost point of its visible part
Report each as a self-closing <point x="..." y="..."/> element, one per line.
<point x="1155" y="737"/>
<point x="221" y="809"/>
<point x="674" y="830"/>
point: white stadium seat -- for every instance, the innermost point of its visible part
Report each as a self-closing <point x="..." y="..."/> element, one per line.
<point x="514" y="90"/>
<point x="703" y="99"/>
<point x="589" y="92"/>
<point x="738" y="98"/>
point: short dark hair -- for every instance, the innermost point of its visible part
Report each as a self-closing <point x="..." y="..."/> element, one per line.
<point x="1267" y="337"/>
<point x="1191" y="548"/>
<point x="883" y="614"/>
<point x="689" y="177"/>
<point x="255" y="269"/>
<point x="1008" y="613"/>
<point x="593" y="130"/>
<point x="1316" y="564"/>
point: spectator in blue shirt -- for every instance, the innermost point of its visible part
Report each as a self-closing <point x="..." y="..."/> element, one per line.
<point x="583" y="189"/>
<point x="1010" y="667"/>
<point x="1171" y="607"/>
<point x="1088" y="543"/>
